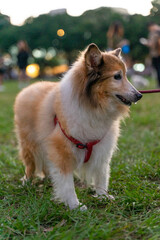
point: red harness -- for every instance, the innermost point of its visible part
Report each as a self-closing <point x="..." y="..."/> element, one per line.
<point x="88" y="146"/>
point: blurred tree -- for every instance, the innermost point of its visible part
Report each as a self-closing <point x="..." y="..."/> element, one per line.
<point x="155" y="11"/>
<point x="41" y="32"/>
<point x="135" y="28"/>
<point x="4" y="21"/>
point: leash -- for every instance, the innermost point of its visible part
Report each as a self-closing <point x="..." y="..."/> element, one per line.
<point x="150" y="91"/>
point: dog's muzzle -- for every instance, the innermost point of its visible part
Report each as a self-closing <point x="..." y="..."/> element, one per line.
<point x="129" y="99"/>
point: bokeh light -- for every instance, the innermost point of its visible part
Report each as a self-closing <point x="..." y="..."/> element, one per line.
<point x="7" y="60"/>
<point x="60" y="32"/>
<point x="39" y="53"/>
<point x="59" y="69"/>
<point x="139" y="67"/>
<point x="50" y="54"/>
<point x="33" y="70"/>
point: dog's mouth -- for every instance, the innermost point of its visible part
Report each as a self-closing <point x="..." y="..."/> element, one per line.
<point x="124" y="100"/>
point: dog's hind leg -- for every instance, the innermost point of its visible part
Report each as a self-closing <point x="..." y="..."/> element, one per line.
<point x="28" y="159"/>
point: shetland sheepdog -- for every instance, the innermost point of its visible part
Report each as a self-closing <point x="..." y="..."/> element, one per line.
<point x="73" y="125"/>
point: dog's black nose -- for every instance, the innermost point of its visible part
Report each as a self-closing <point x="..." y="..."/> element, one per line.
<point x="138" y="96"/>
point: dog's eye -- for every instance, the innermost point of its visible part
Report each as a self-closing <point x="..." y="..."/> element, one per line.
<point x="118" y="76"/>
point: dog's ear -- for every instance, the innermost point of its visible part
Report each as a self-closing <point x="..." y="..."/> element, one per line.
<point x="93" y="56"/>
<point x="117" y="52"/>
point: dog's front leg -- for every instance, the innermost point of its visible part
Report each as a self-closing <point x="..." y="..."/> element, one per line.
<point x="102" y="181"/>
<point x="64" y="189"/>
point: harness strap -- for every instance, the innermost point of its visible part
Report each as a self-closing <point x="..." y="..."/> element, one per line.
<point x="88" y="146"/>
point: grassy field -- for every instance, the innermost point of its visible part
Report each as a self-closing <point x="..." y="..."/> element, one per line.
<point x="27" y="212"/>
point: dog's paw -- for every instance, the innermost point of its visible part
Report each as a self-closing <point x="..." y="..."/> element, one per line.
<point x="104" y="196"/>
<point x="24" y="180"/>
<point x="83" y="207"/>
<point x="110" y="197"/>
<point x="79" y="206"/>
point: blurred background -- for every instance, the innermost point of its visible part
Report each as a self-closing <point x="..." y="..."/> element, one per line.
<point x="52" y="34"/>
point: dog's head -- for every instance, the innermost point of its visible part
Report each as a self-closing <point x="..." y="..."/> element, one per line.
<point x="104" y="82"/>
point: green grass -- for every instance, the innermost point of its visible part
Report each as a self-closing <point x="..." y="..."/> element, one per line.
<point x="27" y="212"/>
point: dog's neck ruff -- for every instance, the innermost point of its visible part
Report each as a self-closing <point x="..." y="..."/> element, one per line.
<point x="88" y="146"/>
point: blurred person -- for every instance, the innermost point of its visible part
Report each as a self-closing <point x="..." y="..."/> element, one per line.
<point x="2" y="70"/>
<point x="114" y="35"/>
<point x="22" y="62"/>
<point x="153" y="42"/>
<point x="115" y="39"/>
